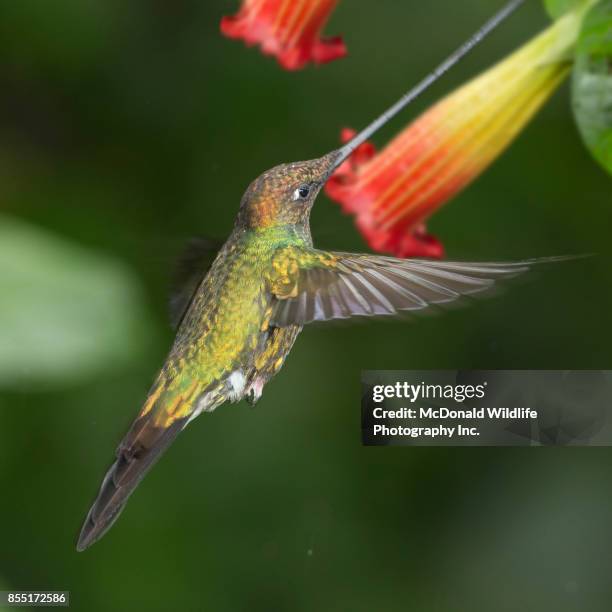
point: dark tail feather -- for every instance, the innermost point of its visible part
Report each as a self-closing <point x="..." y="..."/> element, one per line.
<point x="140" y="449"/>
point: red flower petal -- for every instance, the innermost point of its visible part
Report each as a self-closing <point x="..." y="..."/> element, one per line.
<point x="287" y="29"/>
<point x="346" y="188"/>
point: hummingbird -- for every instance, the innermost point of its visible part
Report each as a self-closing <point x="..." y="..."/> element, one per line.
<point x="265" y="284"/>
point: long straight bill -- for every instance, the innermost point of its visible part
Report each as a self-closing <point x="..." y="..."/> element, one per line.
<point x="418" y="89"/>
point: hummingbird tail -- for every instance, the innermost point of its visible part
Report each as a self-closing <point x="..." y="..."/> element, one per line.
<point x="139" y="450"/>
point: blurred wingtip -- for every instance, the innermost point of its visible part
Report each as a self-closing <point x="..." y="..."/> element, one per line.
<point x="560" y="258"/>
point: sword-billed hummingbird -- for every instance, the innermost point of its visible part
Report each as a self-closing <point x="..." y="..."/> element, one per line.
<point x="265" y="284"/>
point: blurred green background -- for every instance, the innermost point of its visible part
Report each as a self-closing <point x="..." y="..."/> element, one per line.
<point x="126" y="127"/>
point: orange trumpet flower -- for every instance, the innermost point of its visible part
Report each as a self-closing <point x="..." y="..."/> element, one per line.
<point x="393" y="192"/>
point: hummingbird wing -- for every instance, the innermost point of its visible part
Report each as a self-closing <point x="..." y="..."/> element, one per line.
<point x="192" y="266"/>
<point x="311" y="285"/>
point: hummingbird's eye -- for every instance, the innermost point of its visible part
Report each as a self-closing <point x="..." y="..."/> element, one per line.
<point x="301" y="193"/>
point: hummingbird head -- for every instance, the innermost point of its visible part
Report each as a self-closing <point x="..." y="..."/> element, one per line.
<point x="284" y="195"/>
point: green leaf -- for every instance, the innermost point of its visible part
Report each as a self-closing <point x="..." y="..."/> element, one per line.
<point x="592" y="83"/>
<point x="558" y="8"/>
<point x="66" y="313"/>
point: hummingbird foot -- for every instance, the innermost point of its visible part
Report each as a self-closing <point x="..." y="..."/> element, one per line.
<point x="254" y="391"/>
